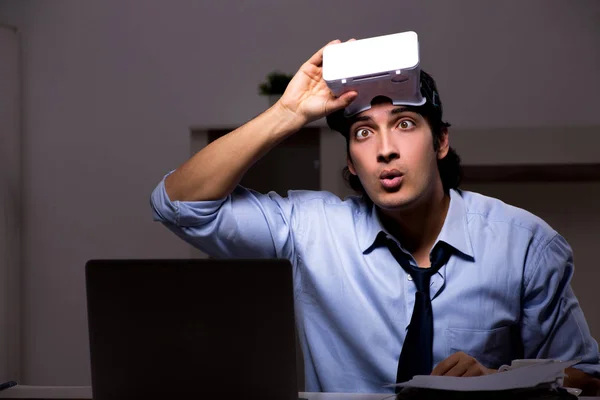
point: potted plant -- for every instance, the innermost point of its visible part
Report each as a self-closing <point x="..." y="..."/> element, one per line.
<point x="274" y="85"/>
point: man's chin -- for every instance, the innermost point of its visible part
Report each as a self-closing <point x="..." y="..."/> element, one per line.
<point x="393" y="201"/>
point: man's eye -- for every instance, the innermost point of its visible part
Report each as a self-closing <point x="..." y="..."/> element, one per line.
<point x="406" y="124"/>
<point x="362" y="133"/>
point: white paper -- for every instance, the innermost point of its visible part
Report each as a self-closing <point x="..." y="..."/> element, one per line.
<point x="530" y="376"/>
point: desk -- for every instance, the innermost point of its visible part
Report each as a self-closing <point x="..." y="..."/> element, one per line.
<point x="85" y="393"/>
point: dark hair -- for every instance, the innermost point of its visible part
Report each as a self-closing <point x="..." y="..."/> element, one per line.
<point x="448" y="167"/>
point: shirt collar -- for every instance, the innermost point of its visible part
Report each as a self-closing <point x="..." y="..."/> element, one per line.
<point x="454" y="231"/>
<point x="373" y="226"/>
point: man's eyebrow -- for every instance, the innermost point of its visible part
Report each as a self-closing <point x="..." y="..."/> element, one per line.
<point x="358" y="119"/>
<point x="402" y="109"/>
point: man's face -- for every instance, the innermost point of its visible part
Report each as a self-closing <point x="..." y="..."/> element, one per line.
<point x="391" y="152"/>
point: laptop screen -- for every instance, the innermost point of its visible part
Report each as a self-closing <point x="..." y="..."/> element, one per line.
<point x="204" y="328"/>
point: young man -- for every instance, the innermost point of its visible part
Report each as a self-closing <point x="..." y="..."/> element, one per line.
<point x="497" y="278"/>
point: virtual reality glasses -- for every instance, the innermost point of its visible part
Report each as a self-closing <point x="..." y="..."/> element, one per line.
<point x="378" y="66"/>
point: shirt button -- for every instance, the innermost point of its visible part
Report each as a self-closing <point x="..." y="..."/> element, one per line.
<point x="410" y="277"/>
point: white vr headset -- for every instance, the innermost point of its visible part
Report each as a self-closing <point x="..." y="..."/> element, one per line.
<point x="378" y="66"/>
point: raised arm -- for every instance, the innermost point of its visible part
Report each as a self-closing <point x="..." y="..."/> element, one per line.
<point x="215" y="171"/>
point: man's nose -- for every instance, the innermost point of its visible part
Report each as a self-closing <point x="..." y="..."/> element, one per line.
<point x="387" y="150"/>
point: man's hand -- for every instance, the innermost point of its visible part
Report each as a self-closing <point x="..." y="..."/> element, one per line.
<point x="307" y="96"/>
<point x="461" y="364"/>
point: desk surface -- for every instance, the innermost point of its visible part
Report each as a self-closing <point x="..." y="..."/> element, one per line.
<point x="85" y="393"/>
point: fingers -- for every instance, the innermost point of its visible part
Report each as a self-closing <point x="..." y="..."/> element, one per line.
<point x="446" y="365"/>
<point x="475" y="370"/>
<point x="459" y="364"/>
<point x="465" y="367"/>
<point x="337" y="103"/>
<point x="317" y="58"/>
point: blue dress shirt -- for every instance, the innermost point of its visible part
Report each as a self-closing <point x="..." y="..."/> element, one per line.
<point x="504" y="294"/>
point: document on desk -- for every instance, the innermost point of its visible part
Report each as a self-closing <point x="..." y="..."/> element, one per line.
<point x="531" y="376"/>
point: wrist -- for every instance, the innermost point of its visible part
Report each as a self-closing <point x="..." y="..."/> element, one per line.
<point x="289" y="118"/>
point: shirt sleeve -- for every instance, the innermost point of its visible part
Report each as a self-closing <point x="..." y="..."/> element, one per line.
<point x="553" y="324"/>
<point x="245" y="224"/>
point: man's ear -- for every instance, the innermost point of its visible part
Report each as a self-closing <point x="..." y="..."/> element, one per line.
<point x="350" y="165"/>
<point x="444" y="144"/>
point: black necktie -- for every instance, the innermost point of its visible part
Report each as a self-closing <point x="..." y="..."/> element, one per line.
<point x="416" y="357"/>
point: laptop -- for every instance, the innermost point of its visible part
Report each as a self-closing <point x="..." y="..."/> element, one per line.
<point x="203" y="329"/>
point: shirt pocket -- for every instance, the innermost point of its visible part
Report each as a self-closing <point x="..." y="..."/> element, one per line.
<point x="491" y="347"/>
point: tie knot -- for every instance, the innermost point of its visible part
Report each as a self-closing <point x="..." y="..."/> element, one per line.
<point x="439" y="255"/>
<point x="421" y="276"/>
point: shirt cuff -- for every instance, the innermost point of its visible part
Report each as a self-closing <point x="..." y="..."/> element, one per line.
<point x="180" y="213"/>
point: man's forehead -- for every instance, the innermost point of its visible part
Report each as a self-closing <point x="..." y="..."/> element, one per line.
<point x="391" y="111"/>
